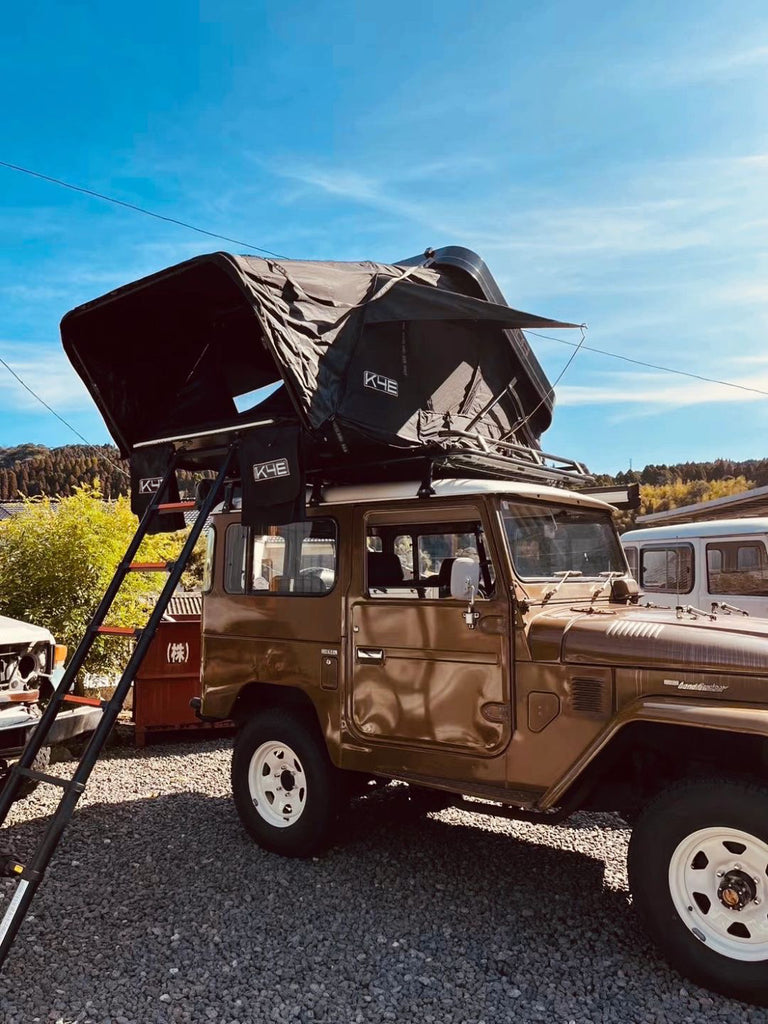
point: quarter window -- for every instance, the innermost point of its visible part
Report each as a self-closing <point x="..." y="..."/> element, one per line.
<point x="737" y="567"/>
<point x="667" y="570"/>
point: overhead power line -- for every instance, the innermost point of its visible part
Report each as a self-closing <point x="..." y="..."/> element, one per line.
<point x="257" y="248"/>
<point x="650" y="366"/>
<point x="137" y="209"/>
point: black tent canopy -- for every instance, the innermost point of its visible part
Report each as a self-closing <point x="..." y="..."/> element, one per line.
<point x="370" y="356"/>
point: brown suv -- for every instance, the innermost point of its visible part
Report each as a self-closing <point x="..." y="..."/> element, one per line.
<point x="474" y="638"/>
<point x="487" y="641"/>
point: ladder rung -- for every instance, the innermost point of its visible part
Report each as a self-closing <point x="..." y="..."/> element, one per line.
<point x="118" y="630"/>
<point x="150" y="566"/>
<point x="52" y="780"/>
<point x="91" y="702"/>
<point x="176" y="506"/>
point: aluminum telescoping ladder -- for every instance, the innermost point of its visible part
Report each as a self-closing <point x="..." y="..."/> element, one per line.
<point x="30" y="874"/>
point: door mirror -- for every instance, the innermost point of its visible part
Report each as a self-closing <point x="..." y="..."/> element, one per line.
<point x="465" y="577"/>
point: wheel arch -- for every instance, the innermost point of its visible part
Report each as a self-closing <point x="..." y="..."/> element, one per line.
<point x="654" y="743"/>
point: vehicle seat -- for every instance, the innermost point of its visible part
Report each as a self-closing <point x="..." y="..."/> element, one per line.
<point x="384" y="570"/>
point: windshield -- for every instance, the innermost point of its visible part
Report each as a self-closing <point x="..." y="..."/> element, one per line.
<point x="546" y="541"/>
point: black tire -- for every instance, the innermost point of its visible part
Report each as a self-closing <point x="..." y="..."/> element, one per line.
<point x="28" y="786"/>
<point x="731" y="808"/>
<point x="321" y="793"/>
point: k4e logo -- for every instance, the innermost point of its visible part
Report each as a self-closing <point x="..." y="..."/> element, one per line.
<point x="271" y="470"/>
<point x="150" y="484"/>
<point x="378" y="382"/>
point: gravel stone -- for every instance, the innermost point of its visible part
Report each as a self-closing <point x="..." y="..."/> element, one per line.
<point x="447" y="918"/>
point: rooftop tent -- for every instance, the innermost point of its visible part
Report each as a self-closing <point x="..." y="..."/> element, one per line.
<point x="370" y="356"/>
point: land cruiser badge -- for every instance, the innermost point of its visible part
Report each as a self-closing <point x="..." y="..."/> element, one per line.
<point x="270" y="470"/>
<point x="681" y="684"/>
<point x="378" y="382"/>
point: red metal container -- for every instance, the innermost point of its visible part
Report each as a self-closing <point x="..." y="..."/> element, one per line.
<point x="169" y="676"/>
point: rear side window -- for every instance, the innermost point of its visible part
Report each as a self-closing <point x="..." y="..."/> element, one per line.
<point x="667" y="570"/>
<point x="294" y="559"/>
<point x="737" y="567"/>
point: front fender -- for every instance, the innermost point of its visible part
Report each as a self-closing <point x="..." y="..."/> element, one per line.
<point x="742" y="718"/>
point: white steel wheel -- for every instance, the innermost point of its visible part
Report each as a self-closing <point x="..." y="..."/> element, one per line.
<point x="277" y="784"/>
<point x="698" y="872"/>
<point x="718" y="880"/>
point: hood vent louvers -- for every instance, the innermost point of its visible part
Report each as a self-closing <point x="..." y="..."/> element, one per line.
<point x="590" y="696"/>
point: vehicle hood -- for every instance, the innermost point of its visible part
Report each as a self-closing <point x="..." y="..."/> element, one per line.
<point x="651" y="638"/>
<point x="13" y="631"/>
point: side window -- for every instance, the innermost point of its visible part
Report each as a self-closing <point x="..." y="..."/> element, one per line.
<point x="667" y="570"/>
<point x="235" y="552"/>
<point x="737" y="567"/>
<point x="414" y="562"/>
<point x="296" y="559"/>
<point x="631" y="553"/>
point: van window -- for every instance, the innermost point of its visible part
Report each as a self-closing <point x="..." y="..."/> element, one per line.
<point x="415" y="561"/>
<point x="631" y="554"/>
<point x="296" y="559"/>
<point x="737" y="567"/>
<point x="667" y="570"/>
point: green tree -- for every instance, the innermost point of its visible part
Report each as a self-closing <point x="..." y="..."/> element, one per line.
<point x="56" y="560"/>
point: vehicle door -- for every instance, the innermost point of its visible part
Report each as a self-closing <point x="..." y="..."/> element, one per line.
<point x="421" y="680"/>
<point x="736" y="572"/>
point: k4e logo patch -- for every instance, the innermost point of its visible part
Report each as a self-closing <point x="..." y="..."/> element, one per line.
<point x="150" y="484"/>
<point x="271" y="470"/>
<point x="378" y="382"/>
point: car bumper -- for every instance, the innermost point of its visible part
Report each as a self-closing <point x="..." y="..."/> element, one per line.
<point x="17" y="723"/>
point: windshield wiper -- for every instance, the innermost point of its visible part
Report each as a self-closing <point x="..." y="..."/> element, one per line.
<point x="609" y="576"/>
<point x="565" y="575"/>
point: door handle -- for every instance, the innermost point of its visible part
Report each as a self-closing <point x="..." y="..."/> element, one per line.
<point x="369" y="654"/>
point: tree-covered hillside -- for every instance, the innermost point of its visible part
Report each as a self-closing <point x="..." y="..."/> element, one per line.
<point x="32" y="470"/>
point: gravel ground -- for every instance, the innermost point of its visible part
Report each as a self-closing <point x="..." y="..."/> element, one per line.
<point x="158" y="908"/>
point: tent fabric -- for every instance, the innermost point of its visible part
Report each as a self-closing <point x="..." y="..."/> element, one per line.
<point x="369" y="354"/>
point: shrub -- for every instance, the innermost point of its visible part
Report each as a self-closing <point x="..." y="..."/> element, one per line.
<point x="57" y="559"/>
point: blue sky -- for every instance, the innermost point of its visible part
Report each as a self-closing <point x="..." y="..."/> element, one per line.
<point x="608" y="161"/>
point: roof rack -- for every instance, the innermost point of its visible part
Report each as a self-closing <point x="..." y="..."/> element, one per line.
<point x="453" y="453"/>
<point x="509" y="460"/>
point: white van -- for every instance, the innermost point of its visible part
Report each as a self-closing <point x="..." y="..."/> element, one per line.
<point x="724" y="561"/>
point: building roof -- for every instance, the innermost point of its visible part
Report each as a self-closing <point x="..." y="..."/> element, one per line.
<point x="714" y="528"/>
<point x="185" y="605"/>
<point x="747" y="503"/>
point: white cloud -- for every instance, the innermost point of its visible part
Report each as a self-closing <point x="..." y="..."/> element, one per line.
<point x="687" y="67"/>
<point x="47" y="372"/>
<point x="659" y="391"/>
